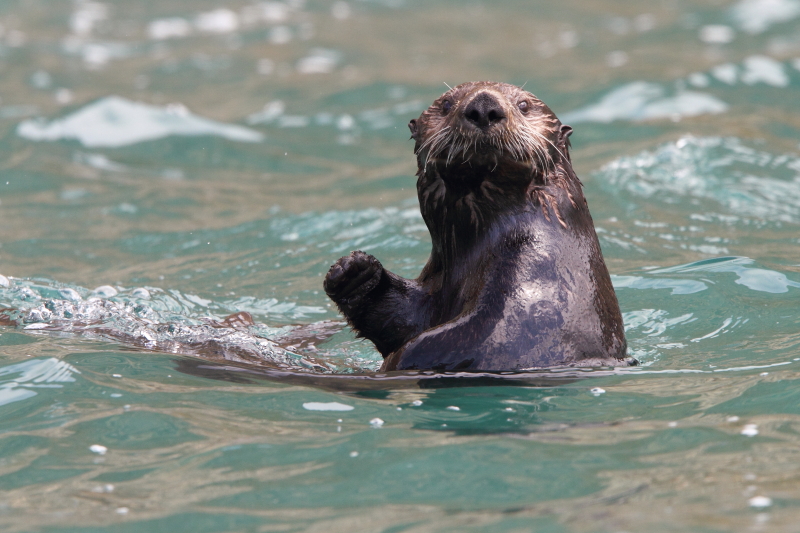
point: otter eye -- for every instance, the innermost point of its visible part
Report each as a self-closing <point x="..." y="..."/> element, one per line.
<point x="524" y="106"/>
<point x="446" y="106"/>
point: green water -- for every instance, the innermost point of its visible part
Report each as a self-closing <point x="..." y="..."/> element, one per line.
<point x="165" y="164"/>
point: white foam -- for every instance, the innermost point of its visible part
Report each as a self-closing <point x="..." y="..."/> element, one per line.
<point x="327" y="406"/>
<point x="114" y="121"/>
<point x="641" y="100"/>
<point x="86" y="16"/>
<point x="717" y="34"/>
<point x="217" y="21"/>
<point x="763" y="69"/>
<point x="726" y="73"/>
<point x="168" y="28"/>
<point x="320" y="61"/>
<point x="756" y="16"/>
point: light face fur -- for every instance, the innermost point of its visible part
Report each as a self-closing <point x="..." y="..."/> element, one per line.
<point x="520" y="129"/>
<point x="516" y="279"/>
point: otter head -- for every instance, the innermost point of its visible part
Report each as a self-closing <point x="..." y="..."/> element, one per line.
<point x="486" y="124"/>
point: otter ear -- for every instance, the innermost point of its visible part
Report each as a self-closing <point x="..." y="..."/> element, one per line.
<point x="566" y="131"/>
<point x="412" y="125"/>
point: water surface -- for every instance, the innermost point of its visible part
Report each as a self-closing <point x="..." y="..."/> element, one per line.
<point x="167" y="164"/>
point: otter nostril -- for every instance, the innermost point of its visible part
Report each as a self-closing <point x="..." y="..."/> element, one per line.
<point x="473" y="115"/>
<point x="496" y="115"/>
<point x="484" y="110"/>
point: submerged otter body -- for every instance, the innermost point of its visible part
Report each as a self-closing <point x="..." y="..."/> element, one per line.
<point x="516" y="279"/>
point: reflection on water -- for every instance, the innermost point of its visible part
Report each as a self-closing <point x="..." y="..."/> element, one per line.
<point x="168" y="166"/>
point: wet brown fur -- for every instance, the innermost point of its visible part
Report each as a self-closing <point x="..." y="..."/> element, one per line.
<point x="516" y="278"/>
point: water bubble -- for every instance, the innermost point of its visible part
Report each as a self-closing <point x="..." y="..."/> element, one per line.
<point x="98" y="449"/>
<point x="105" y="291"/>
<point x="672" y="424"/>
<point x="416" y="403"/>
<point x="116" y="375"/>
<point x="353" y="454"/>
<point x="70" y="294"/>
<point x="597" y="391"/>
<point x="733" y="418"/>
<point x="141" y="293"/>
<point x="376" y="422"/>
<point x="122" y="510"/>
<point x="453" y="408"/>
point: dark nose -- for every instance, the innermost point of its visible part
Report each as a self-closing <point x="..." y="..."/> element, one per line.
<point x="484" y="110"/>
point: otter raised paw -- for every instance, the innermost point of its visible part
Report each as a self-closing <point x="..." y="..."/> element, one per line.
<point x="351" y="279"/>
<point x="516" y="279"/>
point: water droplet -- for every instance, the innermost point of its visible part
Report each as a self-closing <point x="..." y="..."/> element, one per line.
<point x="453" y="408"/>
<point x="376" y="422"/>
<point x="597" y="391"/>
<point x="416" y="403"/>
<point x="98" y="449"/>
<point x="750" y="430"/>
<point x="760" y="501"/>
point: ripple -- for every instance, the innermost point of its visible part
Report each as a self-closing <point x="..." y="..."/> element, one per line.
<point x="750" y="185"/>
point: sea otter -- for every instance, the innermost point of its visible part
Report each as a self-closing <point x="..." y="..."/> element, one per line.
<point x="516" y="279"/>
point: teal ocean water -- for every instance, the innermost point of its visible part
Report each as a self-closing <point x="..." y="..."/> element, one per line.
<point x="166" y="164"/>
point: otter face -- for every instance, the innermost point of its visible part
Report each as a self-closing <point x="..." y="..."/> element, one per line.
<point x="488" y="123"/>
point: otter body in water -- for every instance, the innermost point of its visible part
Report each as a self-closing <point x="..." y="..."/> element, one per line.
<point x="516" y="279"/>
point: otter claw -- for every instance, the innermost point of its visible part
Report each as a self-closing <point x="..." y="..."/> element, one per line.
<point x="352" y="277"/>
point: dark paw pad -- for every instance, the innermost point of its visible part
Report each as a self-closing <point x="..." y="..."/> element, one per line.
<point x="352" y="277"/>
